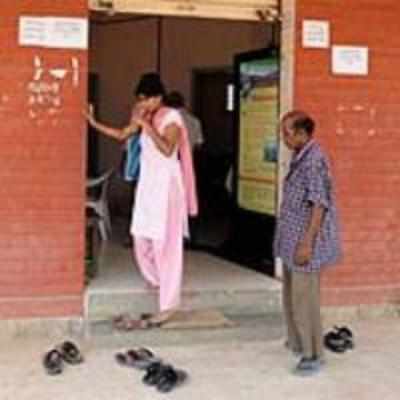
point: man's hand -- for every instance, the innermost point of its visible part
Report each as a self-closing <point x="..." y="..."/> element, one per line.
<point x="303" y="252"/>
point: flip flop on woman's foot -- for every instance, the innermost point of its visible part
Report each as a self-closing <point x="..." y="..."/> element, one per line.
<point x="159" y="319"/>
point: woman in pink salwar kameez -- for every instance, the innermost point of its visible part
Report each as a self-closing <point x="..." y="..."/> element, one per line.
<point x="165" y="195"/>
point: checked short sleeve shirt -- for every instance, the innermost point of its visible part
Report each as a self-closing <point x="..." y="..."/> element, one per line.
<point x="308" y="182"/>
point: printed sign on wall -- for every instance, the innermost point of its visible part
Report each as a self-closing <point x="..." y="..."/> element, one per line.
<point x="52" y="32"/>
<point x="316" y="34"/>
<point x="350" y="60"/>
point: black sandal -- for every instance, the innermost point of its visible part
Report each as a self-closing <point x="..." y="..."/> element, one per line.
<point x="334" y="342"/>
<point x="154" y="373"/>
<point x="70" y="353"/>
<point x="347" y="335"/>
<point x="53" y="362"/>
<point x="140" y="359"/>
<point x="170" y="379"/>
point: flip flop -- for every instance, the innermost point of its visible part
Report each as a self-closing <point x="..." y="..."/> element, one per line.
<point x="70" y="353"/>
<point x="154" y="373"/>
<point x="334" y="342"/>
<point x="120" y="319"/>
<point x="145" y="358"/>
<point x="53" y="362"/>
<point x="347" y="336"/>
<point x="170" y="379"/>
<point x="140" y="359"/>
<point x="130" y="325"/>
<point x="126" y="359"/>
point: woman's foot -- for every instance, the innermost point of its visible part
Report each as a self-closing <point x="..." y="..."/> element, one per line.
<point x="162" y="317"/>
<point x="151" y="287"/>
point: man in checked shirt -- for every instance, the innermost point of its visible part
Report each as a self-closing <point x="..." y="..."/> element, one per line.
<point x="307" y="239"/>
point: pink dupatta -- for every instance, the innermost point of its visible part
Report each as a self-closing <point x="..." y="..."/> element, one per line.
<point x="186" y="162"/>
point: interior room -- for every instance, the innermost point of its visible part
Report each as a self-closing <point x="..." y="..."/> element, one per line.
<point x="196" y="58"/>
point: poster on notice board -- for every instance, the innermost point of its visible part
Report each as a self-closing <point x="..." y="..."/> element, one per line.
<point x="257" y="74"/>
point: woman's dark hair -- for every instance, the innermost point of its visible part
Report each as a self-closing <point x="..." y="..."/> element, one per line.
<point x="175" y="99"/>
<point x="150" y="85"/>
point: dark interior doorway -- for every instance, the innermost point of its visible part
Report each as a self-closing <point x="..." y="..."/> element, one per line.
<point x="215" y="158"/>
<point x="92" y="138"/>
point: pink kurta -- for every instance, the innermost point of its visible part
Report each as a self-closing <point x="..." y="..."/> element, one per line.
<point x="158" y="174"/>
<point x="165" y="197"/>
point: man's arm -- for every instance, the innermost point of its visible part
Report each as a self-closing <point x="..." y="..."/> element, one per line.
<point x="305" y="246"/>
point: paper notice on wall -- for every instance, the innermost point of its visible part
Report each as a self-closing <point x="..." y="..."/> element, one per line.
<point x="53" y="32"/>
<point x="316" y="34"/>
<point x="350" y="60"/>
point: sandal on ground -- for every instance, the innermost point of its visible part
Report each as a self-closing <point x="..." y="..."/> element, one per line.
<point x="145" y="358"/>
<point x="334" y="342"/>
<point x="130" y="325"/>
<point x="53" y="362"/>
<point x="140" y="359"/>
<point x="170" y="379"/>
<point x="70" y="353"/>
<point x="154" y="373"/>
<point x="126" y="359"/>
<point x="347" y="335"/>
<point x="120" y="319"/>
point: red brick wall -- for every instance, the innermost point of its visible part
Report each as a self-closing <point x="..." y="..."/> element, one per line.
<point x="42" y="153"/>
<point x="358" y="123"/>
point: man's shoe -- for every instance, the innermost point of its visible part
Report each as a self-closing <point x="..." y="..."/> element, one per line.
<point x="308" y="366"/>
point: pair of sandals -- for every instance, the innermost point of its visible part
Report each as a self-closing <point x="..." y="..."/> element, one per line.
<point x="53" y="360"/>
<point x="163" y="376"/>
<point x="339" y="340"/>
<point x="126" y="323"/>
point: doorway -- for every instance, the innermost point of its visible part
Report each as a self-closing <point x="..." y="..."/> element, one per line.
<point x="203" y="76"/>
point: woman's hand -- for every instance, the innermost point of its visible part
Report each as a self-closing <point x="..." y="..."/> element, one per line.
<point x="89" y="115"/>
<point x="144" y="124"/>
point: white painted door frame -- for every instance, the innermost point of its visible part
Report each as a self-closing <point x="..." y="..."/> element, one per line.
<point x="244" y="10"/>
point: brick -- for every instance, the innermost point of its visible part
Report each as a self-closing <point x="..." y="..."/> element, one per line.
<point x="366" y="167"/>
<point x="43" y="175"/>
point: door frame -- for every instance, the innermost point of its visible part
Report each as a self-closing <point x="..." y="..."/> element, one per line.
<point x="236" y="10"/>
<point x="283" y="12"/>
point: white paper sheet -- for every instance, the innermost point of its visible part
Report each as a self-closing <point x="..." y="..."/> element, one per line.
<point x="316" y="34"/>
<point x="54" y="32"/>
<point x="350" y="60"/>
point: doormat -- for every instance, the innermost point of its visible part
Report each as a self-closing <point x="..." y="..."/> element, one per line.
<point x="195" y="319"/>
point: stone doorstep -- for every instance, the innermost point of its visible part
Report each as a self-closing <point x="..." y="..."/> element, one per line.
<point x="101" y="305"/>
<point x="58" y="329"/>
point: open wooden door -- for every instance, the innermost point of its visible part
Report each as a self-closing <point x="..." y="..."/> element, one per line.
<point x="245" y="10"/>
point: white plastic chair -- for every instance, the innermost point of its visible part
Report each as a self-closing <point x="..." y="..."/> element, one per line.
<point x="99" y="204"/>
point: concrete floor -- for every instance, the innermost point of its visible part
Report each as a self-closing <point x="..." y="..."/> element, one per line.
<point x="118" y="270"/>
<point x="232" y="369"/>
